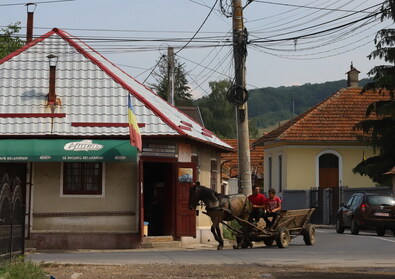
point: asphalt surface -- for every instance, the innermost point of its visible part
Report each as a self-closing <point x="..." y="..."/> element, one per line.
<point x="366" y="251"/>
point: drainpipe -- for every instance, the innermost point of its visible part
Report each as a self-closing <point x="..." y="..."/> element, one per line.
<point x="31" y="7"/>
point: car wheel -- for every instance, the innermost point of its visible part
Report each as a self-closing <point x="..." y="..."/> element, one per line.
<point x="283" y="238"/>
<point x="309" y="235"/>
<point x="339" y="225"/>
<point x="380" y="231"/>
<point x="354" y="226"/>
<point x="393" y="232"/>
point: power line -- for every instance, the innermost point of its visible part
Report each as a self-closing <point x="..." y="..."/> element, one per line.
<point x="200" y="27"/>
<point x="200" y="4"/>
<point x="43" y="2"/>
<point x="122" y="30"/>
<point x="160" y="59"/>
<point x="316" y="25"/>
<point x="314" y="33"/>
<point x="308" y="7"/>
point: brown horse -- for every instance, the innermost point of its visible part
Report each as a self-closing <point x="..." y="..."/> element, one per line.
<point x="221" y="208"/>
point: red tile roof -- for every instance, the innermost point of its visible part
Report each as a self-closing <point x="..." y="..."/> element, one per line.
<point x="330" y="121"/>
<point x="230" y="166"/>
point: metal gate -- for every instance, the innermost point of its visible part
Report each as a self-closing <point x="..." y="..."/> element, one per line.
<point x="11" y="218"/>
<point x="326" y="203"/>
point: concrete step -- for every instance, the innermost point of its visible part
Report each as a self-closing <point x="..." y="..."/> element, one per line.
<point x="166" y="244"/>
<point x="162" y="238"/>
<point x="160" y="242"/>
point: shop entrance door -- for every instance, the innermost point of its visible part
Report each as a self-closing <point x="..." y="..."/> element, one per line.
<point x="185" y="218"/>
<point x="158" y="197"/>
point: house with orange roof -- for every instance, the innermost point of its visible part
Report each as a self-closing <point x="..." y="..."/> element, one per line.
<point x="64" y="132"/>
<point x="319" y="148"/>
<point x="230" y="166"/>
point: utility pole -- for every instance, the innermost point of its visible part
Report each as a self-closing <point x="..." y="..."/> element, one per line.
<point x="170" y="75"/>
<point x="241" y="96"/>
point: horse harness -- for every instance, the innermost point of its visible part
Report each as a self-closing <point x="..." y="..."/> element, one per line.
<point x="223" y="202"/>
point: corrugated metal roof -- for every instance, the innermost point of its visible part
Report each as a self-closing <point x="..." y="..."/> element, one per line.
<point x="90" y="89"/>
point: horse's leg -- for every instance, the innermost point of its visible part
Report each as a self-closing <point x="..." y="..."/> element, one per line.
<point x="214" y="232"/>
<point x="244" y="241"/>
<point x="221" y="241"/>
<point x="217" y="235"/>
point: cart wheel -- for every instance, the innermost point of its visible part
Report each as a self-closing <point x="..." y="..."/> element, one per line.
<point x="282" y="238"/>
<point x="268" y="241"/>
<point x="309" y="235"/>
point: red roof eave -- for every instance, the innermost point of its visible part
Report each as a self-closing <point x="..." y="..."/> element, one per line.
<point x="27" y="46"/>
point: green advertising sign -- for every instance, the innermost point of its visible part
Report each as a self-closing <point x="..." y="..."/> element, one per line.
<point x="61" y="150"/>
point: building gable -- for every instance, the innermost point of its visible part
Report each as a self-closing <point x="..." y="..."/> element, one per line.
<point x="91" y="96"/>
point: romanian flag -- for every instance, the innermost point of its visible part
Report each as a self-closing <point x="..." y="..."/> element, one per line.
<point x="135" y="136"/>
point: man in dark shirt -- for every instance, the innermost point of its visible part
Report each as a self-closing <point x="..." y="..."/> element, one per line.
<point x="259" y="203"/>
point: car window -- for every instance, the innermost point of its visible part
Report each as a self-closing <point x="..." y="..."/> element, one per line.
<point x="357" y="200"/>
<point x="381" y="200"/>
<point x="349" y="202"/>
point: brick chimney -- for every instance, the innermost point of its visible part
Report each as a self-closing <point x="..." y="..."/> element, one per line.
<point x="352" y="77"/>
<point x="31" y="7"/>
<point x="53" y="59"/>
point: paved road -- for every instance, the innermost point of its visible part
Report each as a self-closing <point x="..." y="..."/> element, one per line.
<point x="366" y="251"/>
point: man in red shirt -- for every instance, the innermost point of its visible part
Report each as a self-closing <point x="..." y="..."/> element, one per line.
<point x="258" y="201"/>
<point x="273" y="207"/>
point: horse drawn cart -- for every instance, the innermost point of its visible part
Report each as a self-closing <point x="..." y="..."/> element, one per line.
<point x="221" y="208"/>
<point x="288" y="225"/>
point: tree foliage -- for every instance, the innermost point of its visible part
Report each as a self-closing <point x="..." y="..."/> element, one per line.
<point x="182" y="95"/>
<point x="218" y="114"/>
<point x="379" y="132"/>
<point x="8" y="41"/>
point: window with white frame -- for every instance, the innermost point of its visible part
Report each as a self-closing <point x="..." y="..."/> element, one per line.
<point x="280" y="172"/>
<point x="270" y="185"/>
<point x="213" y="174"/>
<point x="82" y="178"/>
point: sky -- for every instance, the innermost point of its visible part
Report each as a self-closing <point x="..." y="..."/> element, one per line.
<point x="291" y="42"/>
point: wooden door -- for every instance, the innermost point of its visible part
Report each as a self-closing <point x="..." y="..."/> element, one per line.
<point x="185" y="217"/>
<point x="329" y="177"/>
<point x="328" y="171"/>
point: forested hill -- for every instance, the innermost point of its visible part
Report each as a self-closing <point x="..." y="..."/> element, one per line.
<point x="268" y="106"/>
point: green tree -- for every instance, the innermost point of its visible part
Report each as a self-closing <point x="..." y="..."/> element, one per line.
<point x="8" y="41"/>
<point x="182" y="95"/>
<point x="379" y="132"/>
<point x="218" y="114"/>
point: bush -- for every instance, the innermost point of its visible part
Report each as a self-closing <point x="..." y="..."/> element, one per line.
<point x="20" y="269"/>
<point x="227" y="233"/>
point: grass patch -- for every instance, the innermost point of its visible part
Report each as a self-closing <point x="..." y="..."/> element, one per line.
<point x="21" y="269"/>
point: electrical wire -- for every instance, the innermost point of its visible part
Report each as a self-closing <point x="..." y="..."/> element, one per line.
<point x="315" y="33"/>
<point x="307" y="7"/>
<point x="43" y="2"/>
<point x="303" y="20"/>
<point x="319" y="24"/>
<point x="160" y="59"/>
<point x="200" y="27"/>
